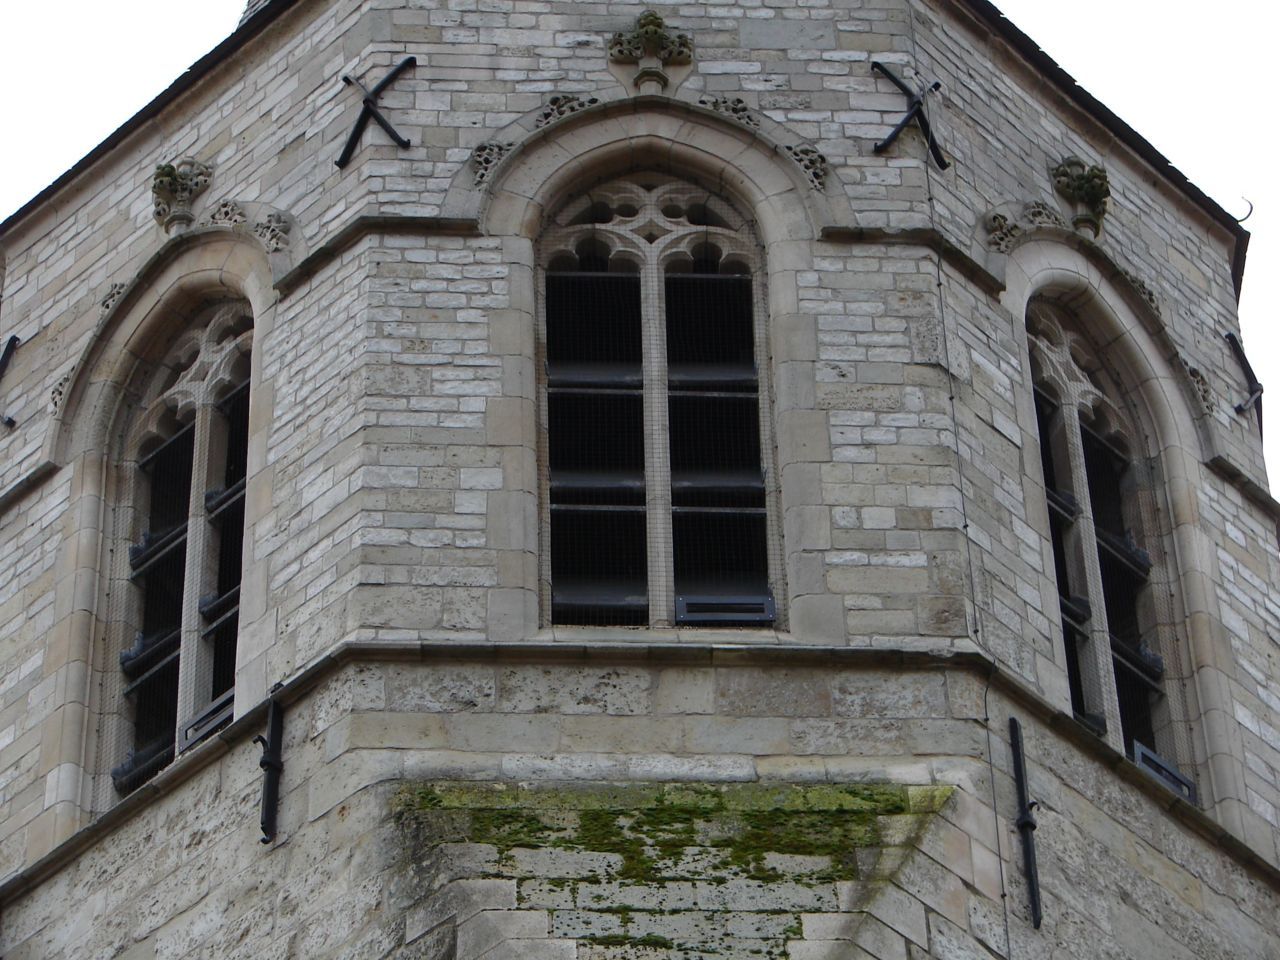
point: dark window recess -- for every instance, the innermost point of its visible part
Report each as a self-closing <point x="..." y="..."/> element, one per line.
<point x="1045" y="410"/>
<point x="151" y="664"/>
<point x="168" y="473"/>
<point x="710" y="335"/>
<point x="155" y="704"/>
<point x="220" y="611"/>
<point x="235" y="408"/>
<point x="715" y="450"/>
<point x="599" y="568"/>
<point x="1105" y="467"/>
<point x="593" y="330"/>
<point x="1075" y="617"/>
<point x="595" y="432"/>
<point x="158" y="562"/>
<point x="1134" y="691"/>
<point x="596" y="446"/>
<point x="721" y="568"/>
<point x="1121" y="588"/>
<point x="717" y="485"/>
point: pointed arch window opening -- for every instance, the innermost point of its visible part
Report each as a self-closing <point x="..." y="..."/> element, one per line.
<point x="177" y="609"/>
<point x="1116" y="628"/>
<point x="656" y="486"/>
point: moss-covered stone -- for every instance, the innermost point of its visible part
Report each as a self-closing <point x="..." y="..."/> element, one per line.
<point x="668" y="860"/>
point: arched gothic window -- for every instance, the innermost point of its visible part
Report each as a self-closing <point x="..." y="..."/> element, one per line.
<point x="176" y="602"/>
<point x="1117" y="625"/>
<point x="656" y="479"/>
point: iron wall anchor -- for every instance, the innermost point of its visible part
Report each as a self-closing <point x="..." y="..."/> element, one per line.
<point x="915" y="111"/>
<point x="370" y="111"/>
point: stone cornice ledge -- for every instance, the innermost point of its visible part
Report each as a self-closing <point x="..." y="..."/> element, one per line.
<point x="370" y="220"/>
<point x="930" y="237"/>
<point x="25" y="483"/>
<point x="973" y="660"/>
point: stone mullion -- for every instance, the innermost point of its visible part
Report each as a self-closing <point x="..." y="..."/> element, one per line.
<point x="199" y="574"/>
<point x="657" y="455"/>
<point x="1098" y="673"/>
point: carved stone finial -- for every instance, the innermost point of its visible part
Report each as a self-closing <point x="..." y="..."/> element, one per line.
<point x="58" y="392"/>
<point x="813" y="163"/>
<point x="486" y="157"/>
<point x="1204" y="392"/>
<point x="174" y="188"/>
<point x="1008" y="223"/>
<point x="650" y="38"/>
<point x="1086" y="188"/>
<point x="654" y="50"/>
<point x="1002" y="232"/>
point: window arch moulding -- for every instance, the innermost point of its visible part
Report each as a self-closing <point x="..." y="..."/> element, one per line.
<point x="1041" y="251"/>
<point x="209" y="261"/>
<point x="191" y="274"/>
<point x="1156" y="389"/>
<point x="653" y="343"/>
<point x="758" y="162"/>
<point x="667" y="137"/>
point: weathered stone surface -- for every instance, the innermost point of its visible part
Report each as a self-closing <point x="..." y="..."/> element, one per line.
<point x="397" y="573"/>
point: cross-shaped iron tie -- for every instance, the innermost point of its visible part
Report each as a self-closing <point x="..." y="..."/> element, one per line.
<point x="370" y="109"/>
<point x="915" y="111"/>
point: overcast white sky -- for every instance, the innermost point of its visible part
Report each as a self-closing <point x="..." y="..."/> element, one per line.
<point x="1201" y="89"/>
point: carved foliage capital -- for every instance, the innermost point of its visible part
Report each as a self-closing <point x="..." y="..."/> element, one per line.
<point x="735" y="108"/>
<point x="486" y="157"/>
<point x="1004" y="227"/>
<point x="562" y="105"/>
<point x="812" y="162"/>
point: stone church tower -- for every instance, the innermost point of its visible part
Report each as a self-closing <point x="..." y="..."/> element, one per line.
<point x="541" y="479"/>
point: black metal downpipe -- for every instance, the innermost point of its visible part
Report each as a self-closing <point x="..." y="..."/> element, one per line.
<point x="1025" y="823"/>
<point x="272" y="764"/>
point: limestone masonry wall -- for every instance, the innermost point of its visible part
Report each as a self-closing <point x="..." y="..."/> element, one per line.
<point x="463" y="779"/>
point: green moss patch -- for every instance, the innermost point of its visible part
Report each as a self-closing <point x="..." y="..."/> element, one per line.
<point x="653" y="829"/>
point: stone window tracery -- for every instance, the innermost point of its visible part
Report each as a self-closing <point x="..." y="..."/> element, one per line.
<point x="658" y="507"/>
<point x="1118" y="632"/>
<point x="176" y="603"/>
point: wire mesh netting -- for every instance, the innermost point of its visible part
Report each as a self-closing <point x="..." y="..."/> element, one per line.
<point x="658" y="510"/>
<point x="168" y="673"/>
<point x="1110" y="564"/>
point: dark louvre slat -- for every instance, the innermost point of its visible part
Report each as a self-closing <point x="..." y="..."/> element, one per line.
<point x="709" y="321"/>
<point x="235" y="407"/>
<point x="216" y="606"/>
<point x="147" y="650"/>
<point x="599" y="567"/>
<point x="623" y="376"/>
<point x="593" y="319"/>
<point x="217" y="501"/>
